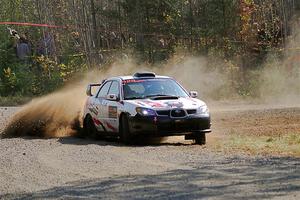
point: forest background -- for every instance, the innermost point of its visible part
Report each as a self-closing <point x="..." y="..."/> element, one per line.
<point x="242" y="39"/>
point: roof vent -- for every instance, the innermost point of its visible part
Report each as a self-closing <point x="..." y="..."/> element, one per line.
<point x="144" y="74"/>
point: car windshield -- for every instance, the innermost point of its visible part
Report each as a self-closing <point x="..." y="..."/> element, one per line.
<point x="152" y="88"/>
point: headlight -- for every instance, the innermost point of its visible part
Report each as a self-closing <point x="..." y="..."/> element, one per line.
<point x="203" y="110"/>
<point x="145" y="111"/>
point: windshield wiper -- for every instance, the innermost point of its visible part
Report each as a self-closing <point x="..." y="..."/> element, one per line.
<point x="155" y="95"/>
<point x="161" y="96"/>
<point x="131" y="98"/>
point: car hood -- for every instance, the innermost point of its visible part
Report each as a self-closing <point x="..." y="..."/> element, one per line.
<point x="186" y="103"/>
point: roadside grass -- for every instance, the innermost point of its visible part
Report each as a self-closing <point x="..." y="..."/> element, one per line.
<point x="14" y="100"/>
<point x="285" y="145"/>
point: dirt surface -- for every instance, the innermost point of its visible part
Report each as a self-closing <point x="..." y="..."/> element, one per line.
<point x="69" y="168"/>
<point x="258" y="121"/>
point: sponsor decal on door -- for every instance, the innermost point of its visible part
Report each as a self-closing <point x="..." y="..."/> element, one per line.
<point x="112" y="112"/>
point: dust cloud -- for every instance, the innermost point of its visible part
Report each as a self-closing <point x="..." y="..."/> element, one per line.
<point x="54" y="115"/>
<point x="280" y="78"/>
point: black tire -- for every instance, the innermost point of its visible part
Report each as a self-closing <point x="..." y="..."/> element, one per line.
<point x="200" y="139"/>
<point x="124" y="130"/>
<point x="89" y="129"/>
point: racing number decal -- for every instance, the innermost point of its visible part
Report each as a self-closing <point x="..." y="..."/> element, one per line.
<point x="112" y="112"/>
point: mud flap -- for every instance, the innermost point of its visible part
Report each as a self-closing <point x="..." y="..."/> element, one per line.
<point x="189" y="137"/>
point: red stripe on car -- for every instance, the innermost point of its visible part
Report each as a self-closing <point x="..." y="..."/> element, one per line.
<point x="97" y="122"/>
<point x="111" y="127"/>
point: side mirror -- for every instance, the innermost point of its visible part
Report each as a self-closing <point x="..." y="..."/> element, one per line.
<point x="193" y="94"/>
<point x="89" y="90"/>
<point x="112" y="97"/>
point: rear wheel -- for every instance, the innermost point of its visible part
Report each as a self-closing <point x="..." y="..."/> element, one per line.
<point x="89" y="128"/>
<point x="124" y="130"/>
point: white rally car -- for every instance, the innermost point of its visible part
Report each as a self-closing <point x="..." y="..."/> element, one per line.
<point x="144" y="105"/>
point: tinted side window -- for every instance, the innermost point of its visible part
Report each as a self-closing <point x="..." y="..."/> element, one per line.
<point x="104" y="90"/>
<point x="114" y="88"/>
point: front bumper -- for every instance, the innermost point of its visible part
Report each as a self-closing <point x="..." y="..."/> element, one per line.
<point x="166" y="126"/>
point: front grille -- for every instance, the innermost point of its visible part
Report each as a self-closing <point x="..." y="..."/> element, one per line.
<point x="191" y="111"/>
<point x="163" y="112"/>
<point x="178" y="113"/>
<point x="174" y="114"/>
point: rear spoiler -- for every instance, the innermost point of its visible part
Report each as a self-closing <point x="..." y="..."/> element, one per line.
<point x="89" y="88"/>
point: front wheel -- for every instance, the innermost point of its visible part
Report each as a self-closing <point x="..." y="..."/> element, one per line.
<point x="124" y="130"/>
<point x="200" y="139"/>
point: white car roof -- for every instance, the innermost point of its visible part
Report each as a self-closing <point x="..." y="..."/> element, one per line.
<point x="134" y="77"/>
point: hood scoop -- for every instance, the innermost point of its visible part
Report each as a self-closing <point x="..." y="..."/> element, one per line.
<point x="163" y="97"/>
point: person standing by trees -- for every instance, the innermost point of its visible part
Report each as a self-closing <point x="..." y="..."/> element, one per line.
<point x="23" y="49"/>
<point x="46" y="45"/>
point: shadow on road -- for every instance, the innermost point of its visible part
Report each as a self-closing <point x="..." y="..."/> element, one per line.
<point x="233" y="178"/>
<point x="117" y="142"/>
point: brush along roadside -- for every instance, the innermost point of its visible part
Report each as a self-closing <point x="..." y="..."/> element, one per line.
<point x="284" y="145"/>
<point x="14" y="100"/>
<point x="258" y="130"/>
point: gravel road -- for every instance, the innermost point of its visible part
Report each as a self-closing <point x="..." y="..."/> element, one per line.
<point x="72" y="168"/>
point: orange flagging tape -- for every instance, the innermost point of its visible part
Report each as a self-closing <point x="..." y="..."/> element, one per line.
<point x="30" y="24"/>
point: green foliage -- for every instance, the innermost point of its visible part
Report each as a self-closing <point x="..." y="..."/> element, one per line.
<point x="14" y="100"/>
<point x="9" y="82"/>
<point x="40" y="77"/>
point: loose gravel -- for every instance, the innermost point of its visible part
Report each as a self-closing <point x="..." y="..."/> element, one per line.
<point x="73" y="168"/>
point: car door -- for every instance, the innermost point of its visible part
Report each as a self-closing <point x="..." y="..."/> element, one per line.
<point x="111" y="120"/>
<point x="100" y="105"/>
